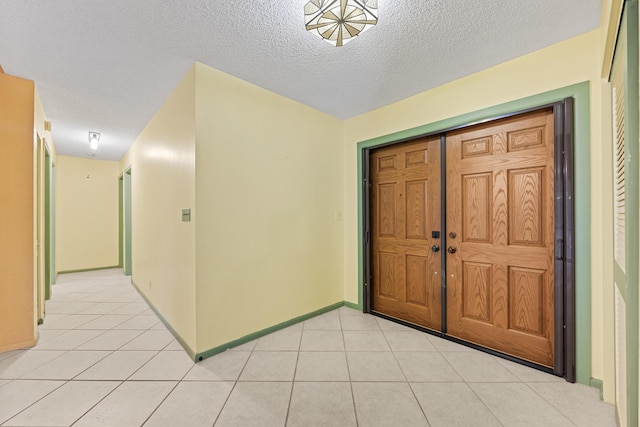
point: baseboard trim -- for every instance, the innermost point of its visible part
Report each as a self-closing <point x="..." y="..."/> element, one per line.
<point x="597" y="383"/>
<point x="352" y="305"/>
<point x="82" y="270"/>
<point x="177" y="336"/>
<point x="245" y="339"/>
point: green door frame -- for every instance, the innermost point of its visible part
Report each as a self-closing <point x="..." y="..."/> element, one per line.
<point x="52" y="222"/>
<point x="47" y="223"/>
<point x="120" y="221"/>
<point x="627" y="281"/>
<point x="582" y="203"/>
<point x="128" y="259"/>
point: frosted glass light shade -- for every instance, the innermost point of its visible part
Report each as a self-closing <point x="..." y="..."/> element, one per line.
<point x="94" y="137"/>
<point x="339" y="21"/>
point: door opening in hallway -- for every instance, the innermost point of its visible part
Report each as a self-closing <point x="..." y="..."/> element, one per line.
<point x="124" y="222"/>
<point x="49" y="271"/>
<point x="469" y="235"/>
<point x="45" y="261"/>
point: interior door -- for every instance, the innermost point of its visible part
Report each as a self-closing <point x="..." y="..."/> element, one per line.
<point x="500" y="236"/>
<point x="626" y="212"/>
<point x="405" y="219"/>
<point x="128" y="257"/>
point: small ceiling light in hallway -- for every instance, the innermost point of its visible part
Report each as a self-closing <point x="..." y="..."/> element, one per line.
<point x="94" y="137"/>
<point x="339" y="21"/>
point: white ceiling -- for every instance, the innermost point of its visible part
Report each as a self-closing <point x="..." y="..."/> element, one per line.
<point x="108" y="65"/>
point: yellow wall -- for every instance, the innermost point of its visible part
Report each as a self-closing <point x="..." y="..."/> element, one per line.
<point x="610" y="20"/>
<point x="572" y="61"/>
<point x="609" y="24"/>
<point x="86" y="213"/>
<point x="17" y="240"/>
<point x="269" y="181"/>
<point x="162" y="161"/>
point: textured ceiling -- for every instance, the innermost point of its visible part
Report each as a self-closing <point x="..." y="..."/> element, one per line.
<point x="107" y="66"/>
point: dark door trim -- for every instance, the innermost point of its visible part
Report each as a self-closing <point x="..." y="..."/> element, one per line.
<point x="366" y="221"/>
<point x="564" y="250"/>
<point x="443" y="227"/>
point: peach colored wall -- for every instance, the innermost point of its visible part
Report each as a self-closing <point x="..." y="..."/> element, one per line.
<point x="17" y="286"/>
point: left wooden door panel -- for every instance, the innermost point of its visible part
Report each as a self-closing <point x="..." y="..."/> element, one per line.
<point x="405" y="210"/>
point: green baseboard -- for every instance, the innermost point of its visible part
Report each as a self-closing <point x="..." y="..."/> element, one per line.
<point x="596" y="383"/>
<point x="245" y="339"/>
<point x="82" y="270"/>
<point x="263" y="332"/>
<point x="352" y="305"/>
<point x="177" y="336"/>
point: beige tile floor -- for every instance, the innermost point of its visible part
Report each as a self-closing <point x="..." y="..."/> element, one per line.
<point x="105" y="359"/>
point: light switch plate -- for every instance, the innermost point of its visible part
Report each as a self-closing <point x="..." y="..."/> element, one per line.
<point x="186" y="215"/>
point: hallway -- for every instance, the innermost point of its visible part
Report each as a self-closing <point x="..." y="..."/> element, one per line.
<point x="105" y="359"/>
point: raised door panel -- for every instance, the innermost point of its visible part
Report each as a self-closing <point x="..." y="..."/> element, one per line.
<point x="526" y="207"/>
<point x="477" y="194"/>
<point x="386" y="209"/>
<point x="416" y="221"/>
<point x="476" y="291"/>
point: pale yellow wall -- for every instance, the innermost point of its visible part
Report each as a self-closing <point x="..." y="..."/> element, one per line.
<point x="572" y="61"/>
<point x="604" y="296"/>
<point x="609" y="24"/>
<point x="610" y="20"/>
<point x="269" y="181"/>
<point x="86" y="213"/>
<point x="162" y="161"/>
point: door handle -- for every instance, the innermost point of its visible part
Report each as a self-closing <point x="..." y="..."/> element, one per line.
<point x="452" y="249"/>
<point x="435" y="248"/>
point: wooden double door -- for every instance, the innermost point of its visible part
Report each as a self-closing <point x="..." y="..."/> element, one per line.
<point x="489" y="230"/>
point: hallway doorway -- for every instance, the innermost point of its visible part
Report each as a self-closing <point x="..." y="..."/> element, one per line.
<point x="124" y="222"/>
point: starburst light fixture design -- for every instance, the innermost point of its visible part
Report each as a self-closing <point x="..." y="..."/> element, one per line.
<point x="339" y="21"/>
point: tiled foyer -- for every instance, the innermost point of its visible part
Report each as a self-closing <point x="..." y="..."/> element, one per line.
<point x="105" y="359"/>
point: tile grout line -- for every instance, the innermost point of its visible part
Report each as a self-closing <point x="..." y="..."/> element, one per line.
<point x="353" y="396"/>
<point x="98" y="402"/>
<point x="20" y="378"/>
<point x="235" y="383"/>
<point x="549" y="402"/>
<point x="161" y="402"/>
<point x="466" y="383"/>
<point x="406" y="380"/>
<point x="293" y="380"/>
<point x="29" y="406"/>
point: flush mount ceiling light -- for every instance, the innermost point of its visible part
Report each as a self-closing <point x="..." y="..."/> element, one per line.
<point x="339" y="21"/>
<point x="94" y="137"/>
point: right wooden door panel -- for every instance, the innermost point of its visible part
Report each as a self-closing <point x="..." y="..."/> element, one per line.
<point x="500" y="208"/>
